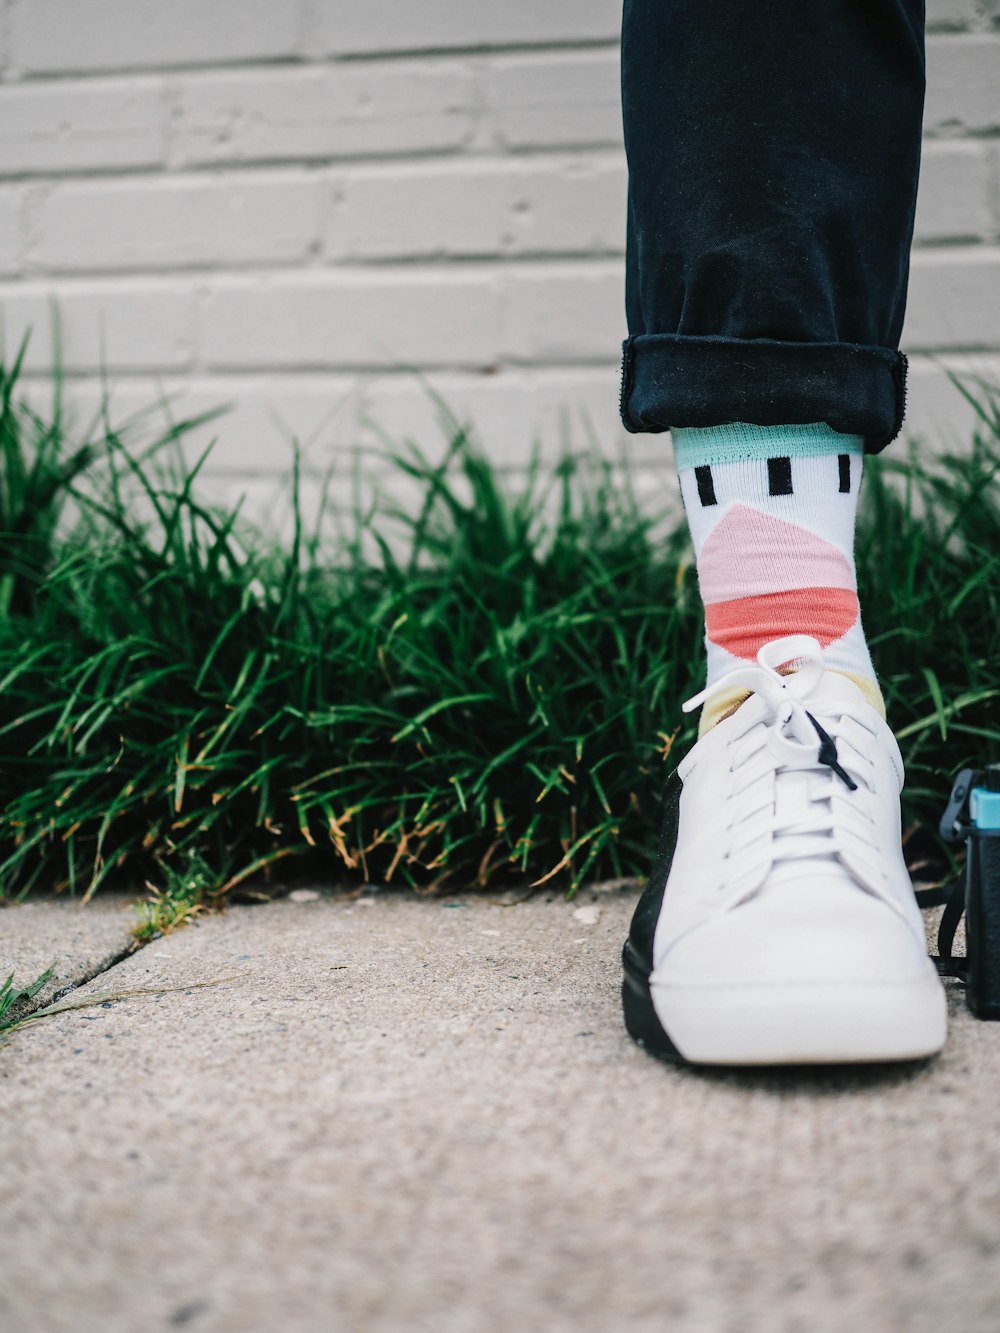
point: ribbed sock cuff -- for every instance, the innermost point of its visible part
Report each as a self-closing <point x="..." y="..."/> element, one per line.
<point x="740" y="441"/>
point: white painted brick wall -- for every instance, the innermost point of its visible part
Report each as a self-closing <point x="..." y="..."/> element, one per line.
<point x="56" y="36"/>
<point x="954" y="298"/>
<point x="963" y="91"/>
<point x="354" y="318"/>
<point x="81" y="126"/>
<point x="320" y="212"/>
<point x="173" y="222"/>
<point x="124" y="325"/>
<point x="321" y="114"/>
<point x="563" y="99"/>
<point x="569" y="204"/>
<point x="378" y="26"/>
<point x="956" y="200"/>
<point x="11" y="207"/>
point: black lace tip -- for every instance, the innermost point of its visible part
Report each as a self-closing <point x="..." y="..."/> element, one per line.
<point x="828" y="755"/>
<point x="849" y="782"/>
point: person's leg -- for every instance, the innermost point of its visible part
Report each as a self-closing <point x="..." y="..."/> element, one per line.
<point x="773" y="156"/>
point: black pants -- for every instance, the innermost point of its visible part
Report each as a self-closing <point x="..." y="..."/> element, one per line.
<point x="773" y="151"/>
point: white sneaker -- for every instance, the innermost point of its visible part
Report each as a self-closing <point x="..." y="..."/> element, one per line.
<point x="779" y="925"/>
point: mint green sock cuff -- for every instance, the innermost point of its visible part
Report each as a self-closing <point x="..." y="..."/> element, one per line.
<point x="738" y="441"/>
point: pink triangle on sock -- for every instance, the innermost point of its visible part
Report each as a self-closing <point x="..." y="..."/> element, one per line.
<point x="749" y="553"/>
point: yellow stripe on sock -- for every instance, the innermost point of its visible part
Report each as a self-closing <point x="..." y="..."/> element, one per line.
<point x="724" y="705"/>
<point x="719" y="707"/>
<point x="868" y="687"/>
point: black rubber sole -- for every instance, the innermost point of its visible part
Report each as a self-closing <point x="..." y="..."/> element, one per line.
<point x="641" y="1019"/>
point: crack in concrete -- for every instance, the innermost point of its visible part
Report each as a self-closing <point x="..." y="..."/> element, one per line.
<point x="88" y="976"/>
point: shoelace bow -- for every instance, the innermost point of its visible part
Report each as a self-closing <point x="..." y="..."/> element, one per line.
<point x="796" y="796"/>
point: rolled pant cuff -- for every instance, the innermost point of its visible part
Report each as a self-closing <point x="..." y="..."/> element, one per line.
<point x="671" y="379"/>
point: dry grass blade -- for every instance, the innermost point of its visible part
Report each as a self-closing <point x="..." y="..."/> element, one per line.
<point x="108" y="997"/>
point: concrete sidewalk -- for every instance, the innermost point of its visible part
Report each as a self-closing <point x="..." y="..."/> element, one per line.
<point x="405" y="1114"/>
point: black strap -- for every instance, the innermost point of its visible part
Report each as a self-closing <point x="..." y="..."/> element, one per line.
<point x="952" y="896"/>
<point x="954" y="827"/>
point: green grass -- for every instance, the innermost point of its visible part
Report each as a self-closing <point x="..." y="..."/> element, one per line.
<point x="11" y="996"/>
<point x="188" y="704"/>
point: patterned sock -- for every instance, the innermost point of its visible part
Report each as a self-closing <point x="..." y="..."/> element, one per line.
<point x="771" y="511"/>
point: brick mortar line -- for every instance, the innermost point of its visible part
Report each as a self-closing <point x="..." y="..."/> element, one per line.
<point x="316" y="163"/>
<point x="322" y="169"/>
<point x="202" y="376"/>
<point x="956" y="246"/>
<point x="381" y="168"/>
<point x="370" y="165"/>
<point x="484" y="266"/>
<point x="922" y="360"/>
<point x="267" y="271"/>
<point x="163" y="271"/>
<point x="12" y="75"/>
<point x="977" y="31"/>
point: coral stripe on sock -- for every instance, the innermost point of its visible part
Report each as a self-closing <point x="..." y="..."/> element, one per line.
<point x="743" y="625"/>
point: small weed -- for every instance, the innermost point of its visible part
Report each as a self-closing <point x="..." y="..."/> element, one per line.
<point x="185" y="892"/>
<point x="11" y="995"/>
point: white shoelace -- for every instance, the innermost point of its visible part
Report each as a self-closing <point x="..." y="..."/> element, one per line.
<point x="802" y="789"/>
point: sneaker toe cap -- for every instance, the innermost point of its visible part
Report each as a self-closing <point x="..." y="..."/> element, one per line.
<point x="767" y="940"/>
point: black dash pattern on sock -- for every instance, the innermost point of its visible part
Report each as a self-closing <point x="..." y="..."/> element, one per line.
<point x="844" y="463"/>
<point x="706" y="486"/>
<point x="779" y="476"/>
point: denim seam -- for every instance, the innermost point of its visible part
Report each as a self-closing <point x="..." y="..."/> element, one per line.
<point x="625" y="388"/>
